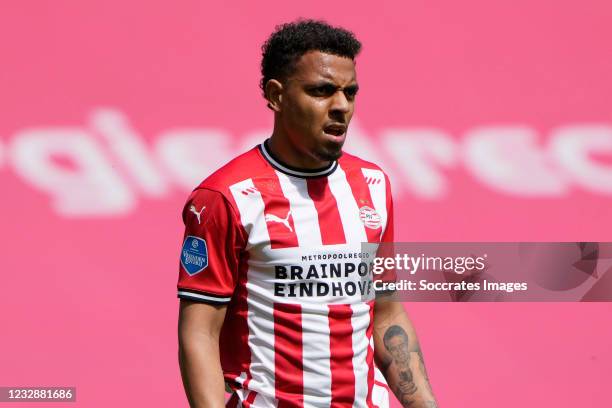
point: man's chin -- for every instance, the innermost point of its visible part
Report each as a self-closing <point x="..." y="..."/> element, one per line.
<point x="329" y="155"/>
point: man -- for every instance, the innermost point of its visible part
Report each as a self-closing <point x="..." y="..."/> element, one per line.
<point x="276" y="291"/>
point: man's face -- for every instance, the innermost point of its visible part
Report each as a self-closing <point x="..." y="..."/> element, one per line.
<point x="397" y="346"/>
<point x="318" y="100"/>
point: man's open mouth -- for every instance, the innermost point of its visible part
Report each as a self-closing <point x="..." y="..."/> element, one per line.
<point x="335" y="129"/>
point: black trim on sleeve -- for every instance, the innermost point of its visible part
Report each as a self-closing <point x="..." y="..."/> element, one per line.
<point x="203" y="297"/>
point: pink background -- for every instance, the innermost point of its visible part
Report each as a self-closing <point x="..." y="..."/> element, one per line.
<point x="88" y="263"/>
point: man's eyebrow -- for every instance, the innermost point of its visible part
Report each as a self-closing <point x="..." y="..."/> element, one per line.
<point x="325" y="83"/>
<point x="330" y="75"/>
<point x="320" y="83"/>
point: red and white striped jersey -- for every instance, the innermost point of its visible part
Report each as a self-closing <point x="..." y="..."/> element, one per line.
<point x="282" y="248"/>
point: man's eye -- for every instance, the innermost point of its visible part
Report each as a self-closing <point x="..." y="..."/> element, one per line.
<point x="322" y="90"/>
<point x="350" y="93"/>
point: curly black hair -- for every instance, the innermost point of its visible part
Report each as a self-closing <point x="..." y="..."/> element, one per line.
<point x="290" y="41"/>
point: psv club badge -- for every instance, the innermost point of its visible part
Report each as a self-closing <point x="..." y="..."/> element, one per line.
<point x="194" y="255"/>
<point x="369" y="217"/>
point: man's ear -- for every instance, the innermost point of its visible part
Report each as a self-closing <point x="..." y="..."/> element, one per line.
<point x="274" y="94"/>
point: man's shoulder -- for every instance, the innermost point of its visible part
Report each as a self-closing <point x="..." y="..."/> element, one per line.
<point x="242" y="167"/>
<point x="350" y="162"/>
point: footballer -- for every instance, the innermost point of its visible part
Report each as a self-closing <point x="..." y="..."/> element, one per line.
<point x="276" y="295"/>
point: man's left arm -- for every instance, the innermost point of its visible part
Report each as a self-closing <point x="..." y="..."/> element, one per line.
<point x="398" y="355"/>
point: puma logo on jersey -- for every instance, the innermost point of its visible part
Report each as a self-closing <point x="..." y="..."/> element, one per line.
<point x="284" y="221"/>
<point x="195" y="211"/>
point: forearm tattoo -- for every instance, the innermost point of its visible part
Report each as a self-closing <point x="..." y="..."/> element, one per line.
<point x="422" y="365"/>
<point x="397" y="343"/>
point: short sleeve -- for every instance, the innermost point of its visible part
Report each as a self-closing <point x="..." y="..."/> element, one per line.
<point x="211" y="249"/>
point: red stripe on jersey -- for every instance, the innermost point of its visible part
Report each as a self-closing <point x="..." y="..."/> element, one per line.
<point x="388" y="235"/>
<point x="361" y="193"/>
<point x="249" y="400"/>
<point x="234" y="338"/>
<point x="330" y="223"/>
<point x="341" y="359"/>
<point x="277" y="213"/>
<point x="288" y="366"/>
<point x="370" y="356"/>
<point x="232" y="402"/>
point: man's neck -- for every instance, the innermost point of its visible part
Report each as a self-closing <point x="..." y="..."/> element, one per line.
<point x="280" y="147"/>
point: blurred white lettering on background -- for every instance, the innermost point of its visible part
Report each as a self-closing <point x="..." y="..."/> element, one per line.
<point x="102" y="168"/>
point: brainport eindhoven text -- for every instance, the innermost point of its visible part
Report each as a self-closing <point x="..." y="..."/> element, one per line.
<point x="325" y="279"/>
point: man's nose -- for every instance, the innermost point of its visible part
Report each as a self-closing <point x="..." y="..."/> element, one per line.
<point x="340" y="103"/>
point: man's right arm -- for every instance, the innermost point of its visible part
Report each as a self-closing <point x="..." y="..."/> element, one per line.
<point x="198" y="334"/>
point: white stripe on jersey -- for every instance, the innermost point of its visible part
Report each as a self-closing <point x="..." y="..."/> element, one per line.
<point x="251" y="207"/>
<point x="316" y="358"/>
<point x="260" y="319"/>
<point x="380" y="393"/>
<point x="303" y="211"/>
<point x="349" y="211"/>
<point x="242" y="396"/>
<point x="360" y="322"/>
<point x="263" y="401"/>
<point x="378" y="192"/>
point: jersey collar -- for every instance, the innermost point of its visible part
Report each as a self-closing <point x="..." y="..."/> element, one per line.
<point x="293" y="171"/>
